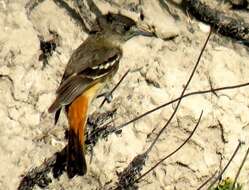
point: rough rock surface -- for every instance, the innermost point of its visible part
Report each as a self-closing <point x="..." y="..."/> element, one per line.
<point x="159" y="69"/>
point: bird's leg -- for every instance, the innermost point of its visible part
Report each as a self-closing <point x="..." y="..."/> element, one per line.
<point x="108" y="95"/>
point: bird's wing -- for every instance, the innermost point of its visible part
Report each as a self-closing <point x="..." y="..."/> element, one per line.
<point x="90" y="54"/>
<point x="80" y="75"/>
<point x="72" y="89"/>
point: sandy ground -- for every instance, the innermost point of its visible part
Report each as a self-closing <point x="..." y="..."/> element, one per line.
<point x="159" y="69"/>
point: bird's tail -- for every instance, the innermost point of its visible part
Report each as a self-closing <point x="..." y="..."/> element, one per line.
<point x="77" y="116"/>
<point x="76" y="162"/>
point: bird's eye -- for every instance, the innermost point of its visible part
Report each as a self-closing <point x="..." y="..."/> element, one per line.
<point x="141" y="16"/>
<point x="109" y="18"/>
<point x="126" y="28"/>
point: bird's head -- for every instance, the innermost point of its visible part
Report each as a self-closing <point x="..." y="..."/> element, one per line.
<point x="122" y="26"/>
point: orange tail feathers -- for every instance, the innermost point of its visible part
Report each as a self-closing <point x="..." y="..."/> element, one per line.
<point x="77" y="116"/>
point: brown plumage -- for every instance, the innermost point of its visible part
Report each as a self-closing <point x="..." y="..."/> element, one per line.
<point x="76" y="92"/>
<point x="91" y="65"/>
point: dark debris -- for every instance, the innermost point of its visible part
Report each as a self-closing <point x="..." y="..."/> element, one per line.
<point x="48" y="47"/>
<point x="127" y="178"/>
<point x="57" y="162"/>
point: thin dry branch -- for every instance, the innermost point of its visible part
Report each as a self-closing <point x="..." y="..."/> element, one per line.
<point x="240" y="168"/>
<point x="108" y="96"/>
<point x="107" y="130"/>
<point x="129" y="174"/>
<point x="227" y="26"/>
<point x="207" y="181"/>
<point x="126" y="179"/>
<point x="116" y="129"/>
<point x="182" y="94"/>
<point x="226" y="166"/>
<point x="212" y="90"/>
<point x="172" y="153"/>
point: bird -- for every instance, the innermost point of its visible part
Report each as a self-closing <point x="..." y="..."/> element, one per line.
<point x="91" y="66"/>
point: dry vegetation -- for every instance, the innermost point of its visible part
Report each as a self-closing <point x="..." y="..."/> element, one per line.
<point x="179" y="118"/>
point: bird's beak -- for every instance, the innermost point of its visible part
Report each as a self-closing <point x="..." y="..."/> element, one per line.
<point x="142" y="32"/>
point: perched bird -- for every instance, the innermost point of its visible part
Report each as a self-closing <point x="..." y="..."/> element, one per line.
<point x="90" y="67"/>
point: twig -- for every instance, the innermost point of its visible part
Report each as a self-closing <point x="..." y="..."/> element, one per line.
<point x="116" y="129"/>
<point x="126" y="179"/>
<point x="106" y="95"/>
<point x="133" y="170"/>
<point x="225" y="25"/>
<point x="230" y="160"/>
<point x="208" y="180"/>
<point x="107" y="130"/>
<point x="240" y="168"/>
<point x="177" y="99"/>
<point x="172" y="153"/>
<point x="182" y="94"/>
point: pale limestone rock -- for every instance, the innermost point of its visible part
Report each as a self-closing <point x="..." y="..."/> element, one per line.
<point x="23" y="104"/>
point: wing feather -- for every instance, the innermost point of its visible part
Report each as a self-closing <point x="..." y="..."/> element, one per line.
<point x="76" y="78"/>
<point x="71" y="89"/>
